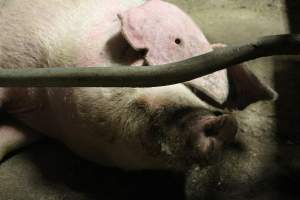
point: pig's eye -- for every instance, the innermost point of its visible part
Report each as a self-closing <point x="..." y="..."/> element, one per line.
<point x="217" y="113"/>
<point x="178" y="41"/>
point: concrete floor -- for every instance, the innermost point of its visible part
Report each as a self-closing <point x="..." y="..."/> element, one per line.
<point x="265" y="164"/>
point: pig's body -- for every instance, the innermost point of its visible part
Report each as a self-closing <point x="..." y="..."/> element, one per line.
<point x="131" y="128"/>
<point x="59" y="112"/>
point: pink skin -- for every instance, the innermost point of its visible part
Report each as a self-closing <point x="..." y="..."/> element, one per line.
<point x="103" y="29"/>
<point x="179" y="39"/>
<point x="115" y="31"/>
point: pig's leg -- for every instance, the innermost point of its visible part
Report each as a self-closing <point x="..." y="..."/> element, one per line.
<point x="14" y="135"/>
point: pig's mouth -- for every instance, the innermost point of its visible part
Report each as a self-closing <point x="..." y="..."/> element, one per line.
<point x="211" y="133"/>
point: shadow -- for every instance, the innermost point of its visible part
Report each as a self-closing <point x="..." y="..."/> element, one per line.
<point x="287" y="84"/>
<point x="120" y="51"/>
<point x="59" y="166"/>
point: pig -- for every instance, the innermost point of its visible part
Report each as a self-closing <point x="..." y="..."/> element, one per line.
<point x="169" y="127"/>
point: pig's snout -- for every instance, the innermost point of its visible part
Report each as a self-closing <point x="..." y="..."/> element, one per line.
<point x="211" y="133"/>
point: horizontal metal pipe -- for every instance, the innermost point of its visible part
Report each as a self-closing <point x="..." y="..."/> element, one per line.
<point x="149" y="76"/>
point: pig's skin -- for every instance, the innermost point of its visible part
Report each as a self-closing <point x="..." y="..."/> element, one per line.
<point x="112" y="126"/>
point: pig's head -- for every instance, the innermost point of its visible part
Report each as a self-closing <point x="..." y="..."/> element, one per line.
<point x="184" y="130"/>
<point x="164" y="31"/>
<point x="187" y="132"/>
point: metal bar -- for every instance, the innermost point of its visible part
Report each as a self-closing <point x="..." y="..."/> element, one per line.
<point x="149" y="76"/>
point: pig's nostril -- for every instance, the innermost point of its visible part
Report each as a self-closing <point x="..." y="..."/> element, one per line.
<point x="210" y="131"/>
<point x="211" y="128"/>
<point x="214" y="125"/>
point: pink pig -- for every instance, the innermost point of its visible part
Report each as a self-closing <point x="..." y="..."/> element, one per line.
<point x="170" y="127"/>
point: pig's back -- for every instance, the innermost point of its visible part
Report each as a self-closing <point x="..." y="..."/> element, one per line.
<point x="38" y="33"/>
<point x="54" y="33"/>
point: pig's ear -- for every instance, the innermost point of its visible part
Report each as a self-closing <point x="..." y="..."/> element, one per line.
<point x="132" y="33"/>
<point x="164" y="31"/>
<point x="133" y="26"/>
<point x="142" y="28"/>
<point x="246" y="88"/>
